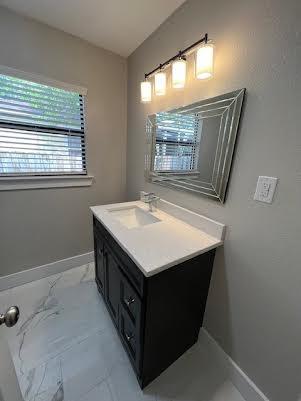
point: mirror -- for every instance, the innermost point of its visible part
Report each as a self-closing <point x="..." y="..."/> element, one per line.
<point x="191" y="148"/>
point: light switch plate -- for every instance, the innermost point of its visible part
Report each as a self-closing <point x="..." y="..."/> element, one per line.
<point x="265" y="189"/>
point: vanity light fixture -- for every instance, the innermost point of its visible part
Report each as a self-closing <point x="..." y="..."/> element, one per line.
<point x="179" y="72"/>
<point x="204" y="69"/>
<point x="146" y="91"/>
<point x="204" y="61"/>
<point x="160" y="83"/>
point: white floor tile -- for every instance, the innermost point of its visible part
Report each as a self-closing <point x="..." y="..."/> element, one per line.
<point x="43" y="382"/>
<point x="90" y="362"/>
<point x="99" y="393"/>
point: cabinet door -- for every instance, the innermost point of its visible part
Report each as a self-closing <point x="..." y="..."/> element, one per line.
<point x="99" y="263"/>
<point x="112" y="285"/>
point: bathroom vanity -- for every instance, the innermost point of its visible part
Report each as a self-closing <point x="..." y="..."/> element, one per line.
<point x="153" y="271"/>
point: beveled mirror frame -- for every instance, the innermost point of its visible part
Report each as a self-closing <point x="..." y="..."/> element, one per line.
<point x="228" y="106"/>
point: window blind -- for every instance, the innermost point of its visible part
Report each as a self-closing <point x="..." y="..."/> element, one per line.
<point x="41" y="129"/>
<point x="177" y="142"/>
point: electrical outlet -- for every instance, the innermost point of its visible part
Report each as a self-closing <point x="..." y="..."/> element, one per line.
<point x="265" y="189"/>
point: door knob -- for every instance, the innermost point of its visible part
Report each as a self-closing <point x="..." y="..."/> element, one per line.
<point x="10" y="317"/>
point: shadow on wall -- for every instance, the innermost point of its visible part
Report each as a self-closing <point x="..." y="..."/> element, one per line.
<point x="219" y="288"/>
<point x="203" y="379"/>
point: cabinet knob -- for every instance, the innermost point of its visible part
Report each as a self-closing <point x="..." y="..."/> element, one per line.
<point x="128" y="337"/>
<point x="129" y="301"/>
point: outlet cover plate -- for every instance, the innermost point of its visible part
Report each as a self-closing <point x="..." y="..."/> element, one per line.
<point x="265" y="189"/>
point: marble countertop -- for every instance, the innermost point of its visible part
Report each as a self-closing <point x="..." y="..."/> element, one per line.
<point x="178" y="235"/>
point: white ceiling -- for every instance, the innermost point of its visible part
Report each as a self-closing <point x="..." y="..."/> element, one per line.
<point x="117" y="25"/>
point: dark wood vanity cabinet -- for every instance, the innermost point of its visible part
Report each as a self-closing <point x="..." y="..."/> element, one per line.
<point x="158" y="318"/>
<point x="99" y="261"/>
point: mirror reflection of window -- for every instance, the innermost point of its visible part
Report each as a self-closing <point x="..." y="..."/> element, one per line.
<point x="177" y="142"/>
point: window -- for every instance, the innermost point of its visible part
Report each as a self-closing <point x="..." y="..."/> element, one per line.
<point x="41" y="129"/>
<point x="177" y="142"/>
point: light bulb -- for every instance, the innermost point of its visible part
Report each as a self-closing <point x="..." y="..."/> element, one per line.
<point x="160" y="83"/>
<point x="178" y="73"/>
<point x="146" y="91"/>
<point x="204" y="62"/>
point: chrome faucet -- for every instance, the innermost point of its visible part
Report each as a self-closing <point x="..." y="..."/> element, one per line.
<point x="151" y="198"/>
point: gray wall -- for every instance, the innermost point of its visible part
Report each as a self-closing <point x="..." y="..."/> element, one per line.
<point x="41" y="226"/>
<point x="254" y="306"/>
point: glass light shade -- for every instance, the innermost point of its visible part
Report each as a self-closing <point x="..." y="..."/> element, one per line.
<point x="146" y="91"/>
<point x="178" y="73"/>
<point x="204" y="62"/>
<point x="160" y="83"/>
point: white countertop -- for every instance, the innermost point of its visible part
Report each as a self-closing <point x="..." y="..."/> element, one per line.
<point x="179" y="235"/>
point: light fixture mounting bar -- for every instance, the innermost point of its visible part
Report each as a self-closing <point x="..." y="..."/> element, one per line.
<point x="180" y="54"/>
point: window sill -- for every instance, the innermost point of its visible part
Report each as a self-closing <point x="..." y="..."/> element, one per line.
<point x="35" y="182"/>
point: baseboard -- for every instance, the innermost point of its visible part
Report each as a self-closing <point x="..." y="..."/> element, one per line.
<point x="37" y="273"/>
<point x="241" y="381"/>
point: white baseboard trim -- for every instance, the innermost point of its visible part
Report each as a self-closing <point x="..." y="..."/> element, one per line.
<point x="37" y="273"/>
<point x="241" y="381"/>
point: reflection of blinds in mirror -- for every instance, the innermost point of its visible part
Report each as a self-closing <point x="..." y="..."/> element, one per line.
<point x="177" y="142"/>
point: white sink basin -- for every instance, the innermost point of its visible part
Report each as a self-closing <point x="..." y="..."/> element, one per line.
<point x="133" y="217"/>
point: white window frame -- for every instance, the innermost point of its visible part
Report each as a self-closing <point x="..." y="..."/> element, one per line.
<point x="54" y="181"/>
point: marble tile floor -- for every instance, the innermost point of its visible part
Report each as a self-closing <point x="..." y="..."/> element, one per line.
<point x="65" y="348"/>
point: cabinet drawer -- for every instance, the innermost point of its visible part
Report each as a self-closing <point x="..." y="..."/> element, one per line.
<point x="130" y="335"/>
<point x="130" y="301"/>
